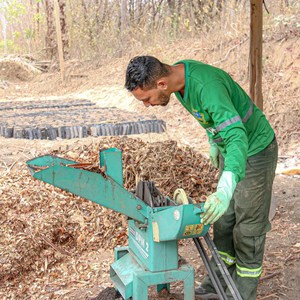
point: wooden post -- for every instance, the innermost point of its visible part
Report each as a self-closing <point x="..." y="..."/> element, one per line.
<point x="59" y="40"/>
<point x="256" y="52"/>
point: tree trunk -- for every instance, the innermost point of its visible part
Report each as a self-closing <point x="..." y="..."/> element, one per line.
<point x="155" y="8"/>
<point x="124" y="20"/>
<point x="88" y="25"/>
<point x="59" y="39"/>
<point x="4" y="31"/>
<point x="63" y="25"/>
<point x="38" y="20"/>
<point x="138" y="12"/>
<point x="51" y="47"/>
<point x="173" y="16"/>
<point x="132" y="10"/>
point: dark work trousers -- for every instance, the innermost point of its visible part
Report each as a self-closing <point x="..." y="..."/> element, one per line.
<point x="240" y="234"/>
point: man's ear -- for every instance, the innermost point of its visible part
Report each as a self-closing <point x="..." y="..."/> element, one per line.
<point x="162" y="84"/>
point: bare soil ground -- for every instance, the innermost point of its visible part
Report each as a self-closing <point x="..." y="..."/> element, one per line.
<point x="103" y="84"/>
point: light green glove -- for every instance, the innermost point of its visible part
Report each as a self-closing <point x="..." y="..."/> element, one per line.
<point x="214" y="154"/>
<point x="217" y="203"/>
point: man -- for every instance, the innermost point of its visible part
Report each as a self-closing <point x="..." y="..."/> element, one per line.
<point x="237" y="130"/>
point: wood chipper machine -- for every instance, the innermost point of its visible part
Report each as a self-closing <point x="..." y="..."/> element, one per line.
<point x="155" y="225"/>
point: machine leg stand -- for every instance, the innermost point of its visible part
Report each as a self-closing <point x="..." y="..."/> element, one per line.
<point x="189" y="287"/>
<point x="140" y="289"/>
<point x="142" y="280"/>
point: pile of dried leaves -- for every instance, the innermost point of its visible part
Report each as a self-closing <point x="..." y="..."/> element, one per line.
<point x="43" y="229"/>
<point x="168" y="165"/>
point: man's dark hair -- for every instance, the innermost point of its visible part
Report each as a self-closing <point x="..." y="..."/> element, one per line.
<point x="144" y="71"/>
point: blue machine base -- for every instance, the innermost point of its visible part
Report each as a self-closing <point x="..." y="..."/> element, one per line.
<point x="132" y="280"/>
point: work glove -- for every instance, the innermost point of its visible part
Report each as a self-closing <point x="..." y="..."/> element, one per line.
<point x="217" y="203"/>
<point x="214" y="154"/>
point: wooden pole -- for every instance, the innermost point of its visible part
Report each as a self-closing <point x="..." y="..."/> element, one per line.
<point x="59" y="40"/>
<point x="256" y="52"/>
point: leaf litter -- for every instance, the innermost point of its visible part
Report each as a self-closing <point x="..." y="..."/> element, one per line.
<point x="46" y="231"/>
<point x="55" y="245"/>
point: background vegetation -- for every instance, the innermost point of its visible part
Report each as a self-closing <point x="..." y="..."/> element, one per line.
<point x="111" y="28"/>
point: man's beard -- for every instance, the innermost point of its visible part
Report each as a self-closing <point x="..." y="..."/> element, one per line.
<point x="164" y="99"/>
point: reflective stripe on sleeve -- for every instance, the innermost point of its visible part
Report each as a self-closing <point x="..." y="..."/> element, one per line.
<point x="229" y="122"/>
<point x="228" y="259"/>
<point x="246" y="272"/>
<point x="249" y="113"/>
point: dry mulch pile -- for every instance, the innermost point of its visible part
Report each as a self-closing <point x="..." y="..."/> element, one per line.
<point x="17" y="68"/>
<point x="45" y="230"/>
<point x="55" y="245"/>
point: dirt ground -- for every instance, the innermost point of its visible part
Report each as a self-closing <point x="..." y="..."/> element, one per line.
<point x="279" y="280"/>
<point x="104" y="86"/>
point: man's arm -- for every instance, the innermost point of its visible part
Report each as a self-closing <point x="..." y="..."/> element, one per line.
<point x="231" y="133"/>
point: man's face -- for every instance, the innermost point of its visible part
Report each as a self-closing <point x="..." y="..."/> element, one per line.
<point x="152" y="97"/>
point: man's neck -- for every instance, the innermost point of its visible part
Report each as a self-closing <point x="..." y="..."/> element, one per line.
<point x="178" y="78"/>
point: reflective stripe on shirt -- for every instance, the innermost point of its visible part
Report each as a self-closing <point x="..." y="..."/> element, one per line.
<point x="249" y="113"/>
<point x="228" y="122"/>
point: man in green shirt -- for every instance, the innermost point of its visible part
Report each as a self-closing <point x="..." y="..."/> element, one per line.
<point x="241" y="134"/>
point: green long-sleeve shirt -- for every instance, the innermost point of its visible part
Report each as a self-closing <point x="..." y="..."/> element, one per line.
<point x="227" y="113"/>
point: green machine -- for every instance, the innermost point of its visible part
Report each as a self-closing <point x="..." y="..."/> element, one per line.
<point x="155" y="224"/>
